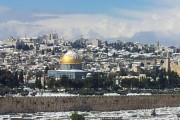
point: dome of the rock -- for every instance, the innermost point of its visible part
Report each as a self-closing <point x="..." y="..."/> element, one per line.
<point x="71" y="57"/>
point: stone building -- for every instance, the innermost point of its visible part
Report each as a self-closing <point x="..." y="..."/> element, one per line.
<point x="70" y="66"/>
<point x="96" y="42"/>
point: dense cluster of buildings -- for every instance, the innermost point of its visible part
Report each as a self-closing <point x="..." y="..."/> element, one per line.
<point x="83" y="57"/>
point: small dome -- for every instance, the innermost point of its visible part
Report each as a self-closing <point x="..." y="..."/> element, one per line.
<point x="71" y="57"/>
<point x="88" y="75"/>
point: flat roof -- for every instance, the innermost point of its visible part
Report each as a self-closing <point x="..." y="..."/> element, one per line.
<point x="72" y="70"/>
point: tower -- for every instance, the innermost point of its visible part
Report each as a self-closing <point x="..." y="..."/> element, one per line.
<point x="158" y="46"/>
<point x="167" y="62"/>
<point x="96" y="42"/>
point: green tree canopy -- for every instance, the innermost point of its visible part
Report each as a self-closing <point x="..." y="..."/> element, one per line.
<point x="21" y="77"/>
<point x="38" y="84"/>
<point x="51" y="83"/>
<point x="76" y="116"/>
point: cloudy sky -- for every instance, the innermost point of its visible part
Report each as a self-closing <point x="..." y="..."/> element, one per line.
<point x="146" y="21"/>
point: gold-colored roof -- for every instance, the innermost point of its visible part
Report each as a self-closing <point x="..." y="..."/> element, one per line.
<point x="71" y="57"/>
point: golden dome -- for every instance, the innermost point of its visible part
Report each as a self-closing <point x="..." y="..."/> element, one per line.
<point x="71" y="57"/>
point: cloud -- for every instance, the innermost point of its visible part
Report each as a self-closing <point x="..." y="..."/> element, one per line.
<point x="70" y="26"/>
<point x="45" y="15"/>
<point x="19" y="29"/>
<point x="147" y="26"/>
<point x="4" y="9"/>
<point x="151" y="37"/>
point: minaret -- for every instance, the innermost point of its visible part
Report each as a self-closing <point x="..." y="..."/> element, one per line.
<point x="158" y="46"/>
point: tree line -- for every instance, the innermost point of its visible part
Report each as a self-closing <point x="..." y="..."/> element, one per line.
<point x="11" y="80"/>
<point x="156" y="80"/>
<point x="24" y="47"/>
<point x="91" y="84"/>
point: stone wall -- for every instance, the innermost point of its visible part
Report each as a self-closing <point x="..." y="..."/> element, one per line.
<point x="176" y="68"/>
<point x="85" y="103"/>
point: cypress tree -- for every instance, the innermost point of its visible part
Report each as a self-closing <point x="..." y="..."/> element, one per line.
<point x="21" y="77"/>
<point x="16" y="81"/>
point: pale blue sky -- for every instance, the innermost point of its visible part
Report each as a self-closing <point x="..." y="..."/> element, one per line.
<point x="80" y="6"/>
<point x="104" y="19"/>
<point x="107" y="7"/>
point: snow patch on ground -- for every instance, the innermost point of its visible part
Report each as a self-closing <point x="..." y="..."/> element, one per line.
<point x="165" y="113"/>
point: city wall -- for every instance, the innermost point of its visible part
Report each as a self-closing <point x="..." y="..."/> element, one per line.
<point x="85" y="103"/>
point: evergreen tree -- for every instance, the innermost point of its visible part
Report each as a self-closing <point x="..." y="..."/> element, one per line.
<point x="44" y="83"/>
<point x="174" y="79"/>
<point x="76" y="116"/>
<point x="65" y="81"/>
<point x="46" y="70"/>
<point x="51" y="83"/>
<point x="38" y="84"/>
<point x="26" y="47"/>
<point x="16" y="81"/>
<point x="53" y="52"/>
<point x="21" y="77"/>
<point x="162" y="79"/>
<point x="19" y="46"/>
<point x="31" y="47"/>
<point x="42" y="52"/>
<point x="123" y="72"/>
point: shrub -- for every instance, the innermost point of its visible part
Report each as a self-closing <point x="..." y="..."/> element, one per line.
<point x="76" y="116"/>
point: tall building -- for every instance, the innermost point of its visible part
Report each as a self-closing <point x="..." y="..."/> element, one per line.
<point x="157" y="47"/>
<point x="96" y="42"/>
<point x="167" y="62"/>
<point x="70" y="66"/>
<point x="53" y="36"/>
<point x="50" y="38"/>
